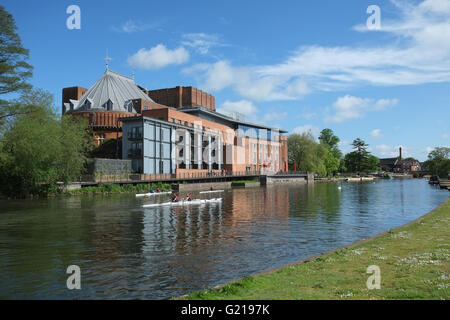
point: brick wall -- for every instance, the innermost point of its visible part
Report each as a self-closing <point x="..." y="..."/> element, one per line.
<point x="74" y="93"/>
<point x="183" y="97"/>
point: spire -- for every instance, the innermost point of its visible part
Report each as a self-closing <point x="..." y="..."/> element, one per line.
<point x="107" y="59"/>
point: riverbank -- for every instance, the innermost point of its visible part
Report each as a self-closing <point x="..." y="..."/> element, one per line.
<point x="414" y="261"/>
<point x="109" y="188"/>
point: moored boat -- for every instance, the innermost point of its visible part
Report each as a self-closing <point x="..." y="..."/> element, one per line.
<point x="434" y="180"/>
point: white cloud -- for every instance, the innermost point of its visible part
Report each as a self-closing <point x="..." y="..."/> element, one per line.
<point x="376" y="133"/>
<point x="248" y="82"/>
<point x="349" y="107"/>
<point x="446" y="136"/>
<point x="202" y="42"/>
<point x="303" y="129"/>
<point x="158" y="57"/>
<point x="132" y="26"/>
<point x="418" y="53"/>
<point x="386" y="151"/>
<point x="243" y="107"/>
<point x="273" y="116"/>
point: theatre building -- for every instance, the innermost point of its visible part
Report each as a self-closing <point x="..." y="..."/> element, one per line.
<point x="175" y="130"/>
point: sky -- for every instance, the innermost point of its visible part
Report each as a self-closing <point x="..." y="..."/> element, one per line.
<point x="297" y="65"/>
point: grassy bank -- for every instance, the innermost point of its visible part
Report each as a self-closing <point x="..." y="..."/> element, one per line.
<point x="414" y="261"/>
<point x="108" y="188"/>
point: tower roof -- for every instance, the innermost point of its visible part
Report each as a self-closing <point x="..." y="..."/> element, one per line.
<point x="112" y="92"/>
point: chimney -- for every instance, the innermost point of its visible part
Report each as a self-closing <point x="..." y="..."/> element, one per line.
<point x="400" y="153"/>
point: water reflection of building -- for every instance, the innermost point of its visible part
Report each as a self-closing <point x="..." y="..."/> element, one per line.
<point x="259" y="203"/>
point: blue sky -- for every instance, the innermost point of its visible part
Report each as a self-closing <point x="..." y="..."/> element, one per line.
<point x="297" y="65"/>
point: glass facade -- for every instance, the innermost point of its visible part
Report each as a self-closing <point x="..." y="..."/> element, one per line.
<point x="244" y="131"/>
<point x="158" y="148"/>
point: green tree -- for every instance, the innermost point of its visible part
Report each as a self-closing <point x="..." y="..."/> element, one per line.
<point x="40" y="148"/>
<point x="438" y="162"/>
<point x="14" y="70"/>
<point x="331" y="162"/>
<point x="331" y="141"/>
<point x="360" y="160"/>
<point x="328" y="137"/>
<point x="307" y="153"/>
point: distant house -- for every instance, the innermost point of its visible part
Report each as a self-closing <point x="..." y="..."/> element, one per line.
<point x="400" y="165"/>
<point x="390" y="164"/>
<point x="410" y="165"/>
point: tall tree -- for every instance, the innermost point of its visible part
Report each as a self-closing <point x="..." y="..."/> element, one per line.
<point x="331" y="141"/>
<point x="360" y="160"/>
<point x="14" y="70"/>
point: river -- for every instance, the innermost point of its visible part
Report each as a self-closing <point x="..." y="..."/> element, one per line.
<point x="126" y="252"/>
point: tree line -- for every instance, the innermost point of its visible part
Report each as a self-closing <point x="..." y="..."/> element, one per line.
<point x="323" y="156"/>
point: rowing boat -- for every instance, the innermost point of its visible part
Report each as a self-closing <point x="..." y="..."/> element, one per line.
<point x="212" y="191"/>
<point x="182" y="203"/>
<point x="152" y="194"/>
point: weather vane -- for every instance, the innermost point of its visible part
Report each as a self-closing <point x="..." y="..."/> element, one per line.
<point x="107" y="59"/>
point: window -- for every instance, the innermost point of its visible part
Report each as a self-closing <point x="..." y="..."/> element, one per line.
<point x="129" y="106"/>
<point x="173" y="120"/>
<point x="109" y="105"/>
<point x="179" y="121"/>
<point x="88" y="104"/>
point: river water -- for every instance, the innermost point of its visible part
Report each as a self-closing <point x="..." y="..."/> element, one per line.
<point x="126" y="252"/>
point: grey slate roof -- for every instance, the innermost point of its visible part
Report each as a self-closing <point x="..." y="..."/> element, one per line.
<point x="113" y="87"/>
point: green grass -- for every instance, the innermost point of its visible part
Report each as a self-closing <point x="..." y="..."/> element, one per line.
<point x="108" y="188"/>
<point x="414" y="261"/>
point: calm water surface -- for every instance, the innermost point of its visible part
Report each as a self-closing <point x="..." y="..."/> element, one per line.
<point x="128" y="252"/>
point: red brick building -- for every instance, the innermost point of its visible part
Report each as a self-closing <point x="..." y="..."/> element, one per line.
<point x="246" y="146"/>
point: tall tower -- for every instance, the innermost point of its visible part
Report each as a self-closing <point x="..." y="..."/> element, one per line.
<point x="400" y="153"/>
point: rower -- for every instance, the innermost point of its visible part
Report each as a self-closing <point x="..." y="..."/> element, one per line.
<point x="158" y="190"/>
<point x="175" y="198"/>
<point x="151" y="190"/>
<point x="211" y="189"/>
<point x="188" y="197"/>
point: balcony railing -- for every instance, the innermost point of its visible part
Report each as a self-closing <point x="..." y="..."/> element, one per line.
<point x="138" y="177"/>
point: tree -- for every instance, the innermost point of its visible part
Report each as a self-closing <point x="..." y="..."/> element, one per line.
<point x="14" y="70"/>
<point x="328" y="137"/>
<point x="307" y="153"/>
<point x="330" y="140"/>
<point x="360" y="160"/>
<point x="438" y="162"/>
<point x="40" y="148"/>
